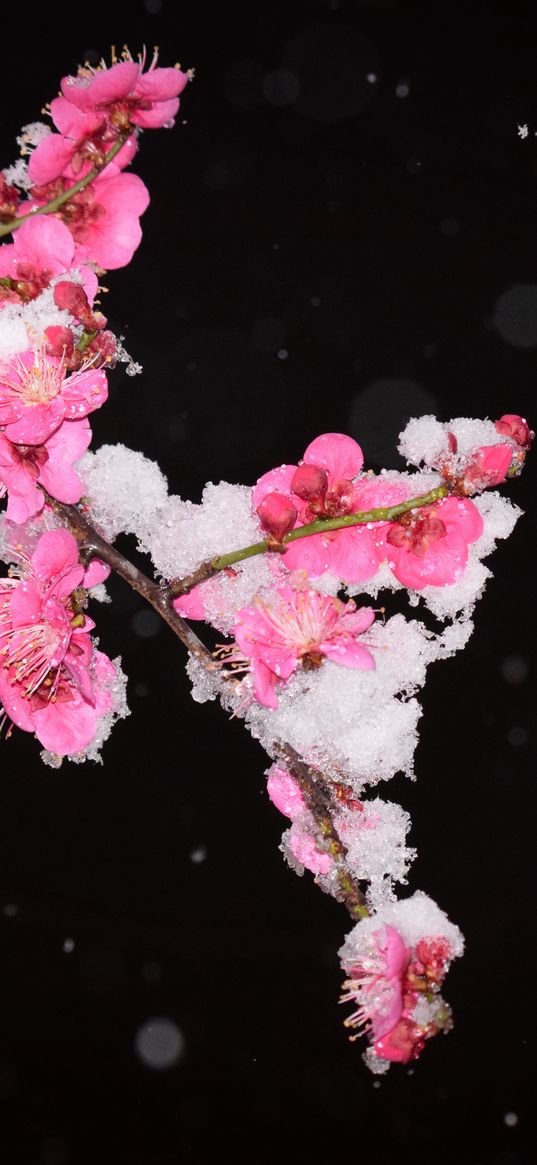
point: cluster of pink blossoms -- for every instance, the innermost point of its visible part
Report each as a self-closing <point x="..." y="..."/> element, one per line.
<point x="395" y="989"/>
<point x="55" y="349"/>
<point x="53" y="682"/>
<point x="292" y="637"/>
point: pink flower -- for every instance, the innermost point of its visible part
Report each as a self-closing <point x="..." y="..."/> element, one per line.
<point x="49" y="670"/>
<point x="42" y="248"/>
<point x="375" y="983"/>
<point x="429" y="546"/>
<point x="394" y="986"/>
<point x="104" y="218"/>
<point x="286" y="796"/>
<point x="127" y="94"/>
<point x="292" y="628"/>
<point x="36" y="395"/>
<point x="322" y="486"/>
<point x="82" y="143"/>
<point x="24" y="467"/>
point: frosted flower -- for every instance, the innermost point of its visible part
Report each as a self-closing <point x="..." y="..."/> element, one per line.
<point x="288" y="628"/>
<point x="429" y="546"/>
<point x="50" y="675"/>
<point x="395" y="963"/>
<point x="322" y="486"/>
<point x="36" y="395"/>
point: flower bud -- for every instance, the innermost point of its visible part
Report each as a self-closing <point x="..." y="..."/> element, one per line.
<point x="309" y="483"/>
<point x="488" y="466"/>
<point x="277" y="514"/>
<point x="511" y="425"/>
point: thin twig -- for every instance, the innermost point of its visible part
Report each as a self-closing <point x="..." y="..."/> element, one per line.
<point x="207" y="570"/>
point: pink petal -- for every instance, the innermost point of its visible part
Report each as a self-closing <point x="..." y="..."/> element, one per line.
<point x="96" y="573"/>
<point x="105" y="87"/>
<point x="65" y="727"/>
<point x="72" y="122"/>
<point x="161" y="84"/>
<point x="464" y="514"/>
<point x="284" y="792"/>
<point x="264" y="684"/>
<point x="26" y="603"/>
<point x="340" y="455"/>
<point x="312" y="553"/>
<point x="55" y="563"/>
<point x="14" y="704"/>
<point x="305" y="851"/>
<point x="37" y="423"/>
<point x="50" y="159"/>
<point x="84" y="392"/>
<point x="344" y="650"/>
<point x="159" y="115"/>
<point x="352" y="554"/>
<point x="45" y="243"/>
<point x="66" y="445"/>
<point x="275" y="481"/>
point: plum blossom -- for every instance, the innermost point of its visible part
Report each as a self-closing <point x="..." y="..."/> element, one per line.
<point x="322" y="486"/>
<point x="42" y="249"/>
<point x="127" y="94"/>
<point x="52" y="681"/>
<point x="103" y="218"/>
<point x="36" y="395"/>
<point x="288" y="628"/>
<point x="394" y="985"/>
<point x="82" y="143"/>
<point x="427" y="546"/>
<point x="25" y="467"/>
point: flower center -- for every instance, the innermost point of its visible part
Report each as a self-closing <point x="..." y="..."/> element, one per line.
<point x="416" y="532"/>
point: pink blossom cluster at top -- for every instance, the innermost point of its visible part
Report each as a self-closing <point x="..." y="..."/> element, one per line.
<point x="52" y="681"/>
<point x="47" y="391"/>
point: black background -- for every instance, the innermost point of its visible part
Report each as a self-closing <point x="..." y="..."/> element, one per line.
<point x="368" y="235"/>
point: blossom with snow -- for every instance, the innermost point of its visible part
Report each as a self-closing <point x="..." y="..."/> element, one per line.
<point x="290" y="628"/>
<point x="323" y="485"/>
<point x="36" y="395"/>
<point x="395" y="963"/>
<point x="53" y="683"/>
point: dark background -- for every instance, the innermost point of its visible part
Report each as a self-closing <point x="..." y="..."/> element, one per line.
<point x="322" y="252"/>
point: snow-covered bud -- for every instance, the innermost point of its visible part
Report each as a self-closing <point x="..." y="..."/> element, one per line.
<point x="309" y="483"/>
<point x="486" y="467"/>
<point x="277" y="514"/>
<point x="511" y="425"/>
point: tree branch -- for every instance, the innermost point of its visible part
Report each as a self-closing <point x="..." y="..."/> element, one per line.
<point x="207" y="570"/>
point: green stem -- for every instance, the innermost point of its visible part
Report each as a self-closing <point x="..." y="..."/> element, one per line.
<point x="320" y="526"/>
<point x="56" y="203"/>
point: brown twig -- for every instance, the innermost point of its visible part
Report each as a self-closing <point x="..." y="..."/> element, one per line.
<point x="321" y="807"/>
<point x="93" y="545"/>
<point x="312" y="784"/>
